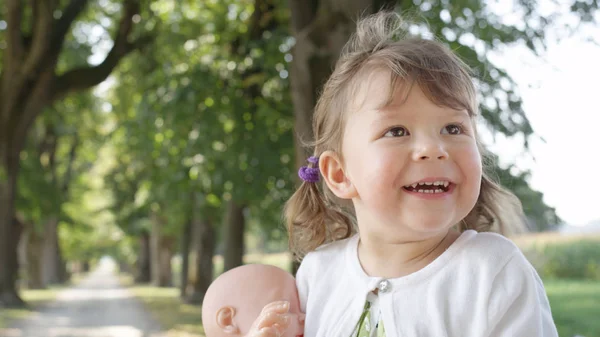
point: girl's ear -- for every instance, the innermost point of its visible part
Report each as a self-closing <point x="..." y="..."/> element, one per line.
<point x="225" y="320"/>
<point x="332" y="170"/>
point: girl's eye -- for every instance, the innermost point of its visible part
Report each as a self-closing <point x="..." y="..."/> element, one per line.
<point x="397" y="131"/>
<point x="453" y="129"/>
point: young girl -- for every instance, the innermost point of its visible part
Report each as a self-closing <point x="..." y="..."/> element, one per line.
<point x="397" y="148"/>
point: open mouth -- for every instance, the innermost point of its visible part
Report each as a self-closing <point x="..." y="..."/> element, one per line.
<point x="430" y="187"/>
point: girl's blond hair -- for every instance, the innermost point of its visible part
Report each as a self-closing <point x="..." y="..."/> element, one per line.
<point x="314" y="215"/>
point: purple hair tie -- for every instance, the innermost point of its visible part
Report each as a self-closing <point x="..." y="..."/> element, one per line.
<point x="310" y="174"/>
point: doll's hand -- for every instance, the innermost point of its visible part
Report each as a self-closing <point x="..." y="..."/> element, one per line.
<point x="272" y="321"/>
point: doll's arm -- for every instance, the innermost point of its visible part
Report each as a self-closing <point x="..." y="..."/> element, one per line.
<point x="272" y="321"/>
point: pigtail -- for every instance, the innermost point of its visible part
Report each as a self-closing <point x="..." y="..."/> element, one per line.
<point x="313" y="221"/>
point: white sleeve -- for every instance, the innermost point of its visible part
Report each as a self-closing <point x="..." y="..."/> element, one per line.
<point x="302" y="282"/>
<point x="518" y="305"/>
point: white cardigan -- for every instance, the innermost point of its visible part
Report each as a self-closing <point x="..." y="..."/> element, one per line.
<point x="481" y="286"/>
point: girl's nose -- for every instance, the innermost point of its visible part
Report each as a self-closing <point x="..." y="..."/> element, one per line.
<point x="430" y="148"/>
<point x="425" y="157"/>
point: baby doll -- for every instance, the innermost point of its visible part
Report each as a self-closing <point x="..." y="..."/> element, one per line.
<point x="253" y="301"/>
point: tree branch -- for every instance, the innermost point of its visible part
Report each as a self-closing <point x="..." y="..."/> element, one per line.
<point x="303" y="13"/>
<point x="87" y="77"/>
<point x="33" y="4"/>
<point x="13" y="17"/>
<point x="10" y="68"/>
<point x="26" y="60"/>
<point x="40" y="41"/>
<point x="49" y="34"/>
<point x="63" y="24"/>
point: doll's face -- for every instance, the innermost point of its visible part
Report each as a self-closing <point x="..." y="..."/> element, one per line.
<point x="236" y="299"/>
<point x="273" y="288"/>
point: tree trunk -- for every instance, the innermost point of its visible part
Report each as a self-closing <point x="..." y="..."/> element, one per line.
<point x="50" y="263"/>
<point x="186" y="238"/>
<point x="11" y="144"/>
<point x="144" y="260"/>
<point x="234" y="236"/>
<point x="165" y="276"/>
<point x="321" y="29"/>
<point x="161" y="254"/>
<point x="205" y="248"/>
<point x="154" y="251"/>
<point x="33" y="261"/>
<point x="14" y="251"/>
<point x="63" y="274"/>
<point x="9" y="229"/>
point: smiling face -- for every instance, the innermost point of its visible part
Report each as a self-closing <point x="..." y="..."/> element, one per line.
<point x="412" y="168"/>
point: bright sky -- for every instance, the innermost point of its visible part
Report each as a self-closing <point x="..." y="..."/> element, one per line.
<point x="561" y="97"/>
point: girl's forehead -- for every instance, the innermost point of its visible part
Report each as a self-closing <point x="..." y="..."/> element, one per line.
<point x="378" y="89"/>
<point x="373" y="90"/>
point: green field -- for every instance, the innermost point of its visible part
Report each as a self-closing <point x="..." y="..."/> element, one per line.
<point x="575" y="306"/>
<point x="179" y="319"/>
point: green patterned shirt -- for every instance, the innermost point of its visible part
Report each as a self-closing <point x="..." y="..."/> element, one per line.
<point x="364" y="328"/>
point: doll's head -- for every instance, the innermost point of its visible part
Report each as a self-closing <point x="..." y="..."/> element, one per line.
<point x="234" y="301"/>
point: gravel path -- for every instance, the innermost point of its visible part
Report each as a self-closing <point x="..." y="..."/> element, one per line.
<point x="97" y="307"/>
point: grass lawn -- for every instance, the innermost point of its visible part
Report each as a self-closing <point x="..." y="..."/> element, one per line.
<point x="575" y="306"/>
<point x="34" y="298"/>
<point x="165" y="306"/>
<point x="281" y="260"/>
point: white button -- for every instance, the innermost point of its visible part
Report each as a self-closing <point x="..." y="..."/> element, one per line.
<point x="384" y="286"/>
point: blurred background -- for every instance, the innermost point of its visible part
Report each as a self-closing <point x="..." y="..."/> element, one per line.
<point x="164" y="134"/>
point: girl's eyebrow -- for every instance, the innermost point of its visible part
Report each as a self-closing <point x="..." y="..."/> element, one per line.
<point x="387" y="111"/>
<point x="460" y="113"/>
<point x="382" y="115"/>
